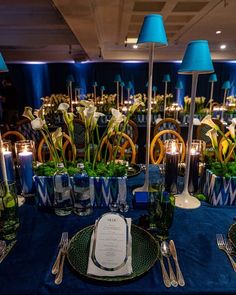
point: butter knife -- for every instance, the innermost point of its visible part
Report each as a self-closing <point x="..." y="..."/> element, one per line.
<point x="7" y="250"/>
<point x="179" y="274"/>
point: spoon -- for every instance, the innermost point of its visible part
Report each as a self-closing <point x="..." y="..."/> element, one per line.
<point x="165" y="251"/>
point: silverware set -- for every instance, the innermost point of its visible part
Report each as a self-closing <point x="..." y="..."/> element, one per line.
<point x="225" y="245"/>
<point x="5" y="249"/>
<point x="58" y="265"/>
<point x="168" y="250"/>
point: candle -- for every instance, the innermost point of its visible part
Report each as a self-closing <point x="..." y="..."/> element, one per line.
<point x="25" y="159"/>
<point x="171" y="168"/>
<point x="9" y="166"/>
<point x="194" y="168"/>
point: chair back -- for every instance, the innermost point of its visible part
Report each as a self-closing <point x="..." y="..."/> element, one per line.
<point x="25" y="128"/>
<point x="167" y="124"/>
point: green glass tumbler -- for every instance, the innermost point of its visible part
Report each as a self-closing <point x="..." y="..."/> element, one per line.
<point x="9" y="221"/>
<point x="161" y="212"/>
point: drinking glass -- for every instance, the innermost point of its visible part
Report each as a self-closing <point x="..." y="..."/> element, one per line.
<point x="161" y="212"/>
<point x="9" y="221"/>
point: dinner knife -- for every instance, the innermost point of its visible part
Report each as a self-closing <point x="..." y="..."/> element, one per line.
<point x="179" y="274"/>
<point x="7" y="250"/>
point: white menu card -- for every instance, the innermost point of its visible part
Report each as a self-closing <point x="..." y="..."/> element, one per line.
<point x="110" y="246"/>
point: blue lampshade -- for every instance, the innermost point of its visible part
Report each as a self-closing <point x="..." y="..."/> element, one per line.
<point x="122" y="84"/>
<point x="154" y="88"/>
<point x="3" y="66"/>
<point x="95" y="84"/>
<point x="179" y="85"/>
<point x="212" y="78"/>
<point x="117" y="78"/>
<point x="103" y="88"/>
<point x="70" y="78"/>
<point x="166" y="78"/>
<point x="226" y="85"/>
<point x="129" y="85"/>
<point x="197" y="58"/>
<point x="153" y="30"/>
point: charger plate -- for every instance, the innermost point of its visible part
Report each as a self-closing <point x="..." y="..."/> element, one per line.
<point x="232" y="234"/>
<point x="145" y="252"/>
<point x="134" y="170"/>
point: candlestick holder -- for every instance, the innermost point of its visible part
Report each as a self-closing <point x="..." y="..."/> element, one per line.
<point x="25" y="151"/>
<point x="173" y="151"/>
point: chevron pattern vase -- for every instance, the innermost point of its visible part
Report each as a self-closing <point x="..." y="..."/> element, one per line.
<point x="220" y="191"/>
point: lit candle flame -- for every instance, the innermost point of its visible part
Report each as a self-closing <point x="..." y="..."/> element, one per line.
<point x="173" y="148"/>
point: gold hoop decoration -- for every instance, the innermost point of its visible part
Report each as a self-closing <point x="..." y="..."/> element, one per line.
<point x="157" y="139"/>
<point x="40" y="148"/>
<point x="121" y="149"/>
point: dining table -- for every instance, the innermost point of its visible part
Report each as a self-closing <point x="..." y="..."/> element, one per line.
<point x="26" y="270"/>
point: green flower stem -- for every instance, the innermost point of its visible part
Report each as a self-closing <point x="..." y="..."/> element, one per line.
<point x="99" y="145"/>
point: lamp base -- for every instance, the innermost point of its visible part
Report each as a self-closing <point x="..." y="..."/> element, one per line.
<point x="186" y="201"/>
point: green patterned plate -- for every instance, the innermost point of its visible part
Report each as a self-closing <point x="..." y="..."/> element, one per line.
<point x="145" y="252"/>
<point x="232" y="234"/>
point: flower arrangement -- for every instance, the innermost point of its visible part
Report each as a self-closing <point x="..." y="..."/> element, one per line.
<point x="200" y="102"/>
<point x="87" y="112"/>
<point x="224" y="161"/>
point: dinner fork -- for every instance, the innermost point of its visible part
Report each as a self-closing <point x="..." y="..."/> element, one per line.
<point x="225" y="246"/>
<point x="59" y="275"/>
<point x="56" y="264"/>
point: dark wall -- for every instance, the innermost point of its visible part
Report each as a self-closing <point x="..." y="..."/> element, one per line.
<point x="33" y="81"/>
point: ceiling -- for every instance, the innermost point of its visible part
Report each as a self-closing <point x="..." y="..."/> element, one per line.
<point x="79" y="30"/>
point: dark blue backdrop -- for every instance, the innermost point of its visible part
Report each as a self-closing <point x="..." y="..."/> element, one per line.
<point x="34" y="81"/>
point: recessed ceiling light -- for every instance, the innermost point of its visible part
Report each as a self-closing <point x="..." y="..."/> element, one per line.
<point x="135" y="46"/>
<point x="218" y="32"/>
<point x="223" y="46"/>
<point x="131" y="40"/>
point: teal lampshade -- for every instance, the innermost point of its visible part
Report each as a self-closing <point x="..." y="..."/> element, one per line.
<point x="166" y="78"/>
<point x="153" y="30"/>
<point x="95" y="84"/>
<point x="3" y="66"/>
<point x="70" y="78"/>
<point x="154" y="88"/>
<point x="122" y="84"/>
<point x="212" y="78"/>
<point x="179" y="85"/>
<point x="117" y="78"/>
<point x="197" y="58"/>
<point x="226" y="85"/>
<point x="129" y="85"/>
<point x="103" y="88"/>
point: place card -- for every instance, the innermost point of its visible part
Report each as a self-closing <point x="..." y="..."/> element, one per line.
<point x="110" y="246"/>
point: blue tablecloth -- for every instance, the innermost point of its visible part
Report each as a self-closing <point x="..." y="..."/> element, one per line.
<point x="27" y="269"/>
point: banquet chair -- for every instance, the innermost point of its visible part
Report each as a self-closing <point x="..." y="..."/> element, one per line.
<point x="13" y="136"/>
<point x="167" y="124"/>
<point x="204" y="128"/>
<point x="111" y="143"/>
<point x="43" y="153"/>
<point x="157" y="146"/>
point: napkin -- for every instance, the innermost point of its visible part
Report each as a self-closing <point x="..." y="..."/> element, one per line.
<point x="123" y="271"/>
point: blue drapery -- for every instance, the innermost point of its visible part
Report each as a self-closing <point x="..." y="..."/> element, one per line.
<point x="34" y="81"/>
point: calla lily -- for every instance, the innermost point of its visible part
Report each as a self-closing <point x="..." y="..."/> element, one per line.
<point x="234" y="121"/>
<point x="57" y="138"/>
<point x="208" y="121"/>
<point x="212" y="133"/>
<point x="231" y="129"/>
<point x="37" y="124"/>
<point x="225" y="145"/>
<point x="86" y="103"/>
<point x="63" y="106"/>
<point x="95" y="118"/>
<point x="137" y="103"/>
<point x="28" y="113"/>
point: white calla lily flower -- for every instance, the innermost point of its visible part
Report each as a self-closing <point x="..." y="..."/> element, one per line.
<point x="37" y="124"/>
<point x="231" y="129"/>
<point x="212" y="133"/>
<point x="63" y="106"/>
<point x="208" y="121"/>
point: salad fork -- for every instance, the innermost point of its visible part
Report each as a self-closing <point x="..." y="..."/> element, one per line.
<point x="226" y="247"/>
<point x="55" y="268"/>
<point x="59" y="275"/>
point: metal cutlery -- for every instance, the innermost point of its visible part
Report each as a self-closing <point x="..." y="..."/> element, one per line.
<point x="165" y="250"/>
<point x="180" y="278"/>
<point x="6" y="250"/>
<point x="226" y="247"/>
<point x="59" y="275"/>
<point x="165" y="276"/>
<point x="56" y="264"/>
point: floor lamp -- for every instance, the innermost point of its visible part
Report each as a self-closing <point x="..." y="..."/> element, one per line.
<point x="166" y="80"/>
<point x="226" y="86"/>
<point x="122" y="85"/>
<point x="152" y="32"/>
<point x="196" y="61"/>
<point x="129" y="87"/>
<point x="95" y="84"/>
<point x="70" y="80"/>
<point x="102" y="92"/>
<point x="212" y="80"/>
<point x="117" y="80"/>
<point x="154" y="89"/>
